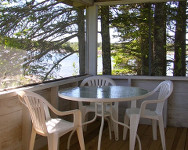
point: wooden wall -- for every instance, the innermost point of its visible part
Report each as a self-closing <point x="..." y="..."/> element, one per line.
<point x="10" y="124"/>
<point x="15" y="123"/>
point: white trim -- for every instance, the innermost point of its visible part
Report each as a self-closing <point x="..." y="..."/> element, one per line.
<point x="178" y="78"/>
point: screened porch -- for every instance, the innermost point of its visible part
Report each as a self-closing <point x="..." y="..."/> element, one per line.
<point x="15" y="124"/>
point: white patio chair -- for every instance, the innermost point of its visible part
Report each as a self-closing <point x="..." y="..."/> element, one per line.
<point x="165" y="89"/>
<point x="43" y="124"/>
<point x="85" y="109"/>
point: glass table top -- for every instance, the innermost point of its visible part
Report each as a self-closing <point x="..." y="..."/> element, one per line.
<point x="105" y="93"/>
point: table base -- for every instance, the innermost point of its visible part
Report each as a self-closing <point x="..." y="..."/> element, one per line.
<point x="132" y="127"/>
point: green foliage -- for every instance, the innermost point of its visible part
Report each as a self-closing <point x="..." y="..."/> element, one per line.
<point x="132" y="25"/>
<point x="75" y="69"/>
<point x="125" y="61"/>
<point x="127" y="54"/>
<point x="70" y="46"/>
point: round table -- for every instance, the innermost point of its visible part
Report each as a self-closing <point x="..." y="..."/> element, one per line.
<point x="105" y="94"/>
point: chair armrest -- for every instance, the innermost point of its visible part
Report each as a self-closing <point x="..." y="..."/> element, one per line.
<point x="146" y="102"/>
<point x="65" y="113"/>
<point x="61" y="113"/>
<point x="76" y="114"/>
<point x="134" y="102"/>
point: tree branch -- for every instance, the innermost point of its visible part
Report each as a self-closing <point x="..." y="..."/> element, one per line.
<point x="57" y="63"/>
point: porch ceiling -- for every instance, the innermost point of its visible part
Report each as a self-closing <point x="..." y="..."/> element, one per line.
<point x="84" y="3"/>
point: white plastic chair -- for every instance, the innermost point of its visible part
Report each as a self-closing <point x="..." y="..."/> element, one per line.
<point x="43" y="124"/>
<point x="85" y="109"/>
<point x="165" y="89"/>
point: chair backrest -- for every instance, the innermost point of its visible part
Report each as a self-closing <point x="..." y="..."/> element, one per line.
<point x="97" y="81"/>
<point x="165" y="89"/>
<point x="38" y="109"/>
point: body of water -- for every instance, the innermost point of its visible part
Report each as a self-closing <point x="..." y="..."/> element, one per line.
<point x="70" y="66"/>
<point x="69" y="70"/>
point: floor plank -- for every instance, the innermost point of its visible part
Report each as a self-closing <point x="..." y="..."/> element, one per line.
<point x="170" y="136"/>
<point x="186" y="144"/>
<point x="182" y="139"/>
<point x="176" y="139"/>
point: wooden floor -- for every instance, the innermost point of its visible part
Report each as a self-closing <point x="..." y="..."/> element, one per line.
<point x="176" y="139"/>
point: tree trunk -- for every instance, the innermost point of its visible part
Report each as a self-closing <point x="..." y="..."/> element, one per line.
<point x="144" y="32"/>
<point x="180" y="41"/>
<point x="159" y="51"/>
<point x="106" y="55"/>
<point x="81" y="39"/>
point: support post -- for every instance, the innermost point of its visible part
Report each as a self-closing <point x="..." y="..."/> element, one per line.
<point x="91" y="40"/>
<point x="54" y="98"/>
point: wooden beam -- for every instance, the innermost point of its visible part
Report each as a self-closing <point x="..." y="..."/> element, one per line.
<point x="85" y="3"/>
<point x="78" y="3"/>
<point x="118" y="2"/>
<point x="66" y="2"/>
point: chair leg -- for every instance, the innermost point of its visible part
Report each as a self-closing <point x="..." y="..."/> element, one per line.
<point x="126" y="121"/>
<point x="115" y="125"/>
<point x="154" y="129"/>
<point x="112" y="125"/>
<point x="32" y="139"/>
<point x="134" y="120"/>
<point x="161" y="129"/>
<point x="53" y="142"/>
<point x="109" y="126"/>
<point x="100" y="132"/>
<point x="69" y="139"/>
<point x="84" y="119"/>
<point x="80" y="137"/>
